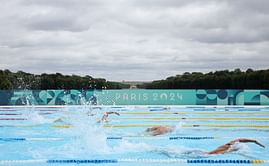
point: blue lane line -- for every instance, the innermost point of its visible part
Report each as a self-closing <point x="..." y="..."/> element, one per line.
<point x="83" y="161"/>
<point x="220" y="161"/>
<point x="192" y="138"/>
<point x="117" y="138"/>
<point x="12" y="139"/>
<point x="136" y="160"/>
<point x="169" y="138"/>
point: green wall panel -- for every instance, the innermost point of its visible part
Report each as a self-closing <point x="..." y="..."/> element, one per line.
<point x="135" y="97"/>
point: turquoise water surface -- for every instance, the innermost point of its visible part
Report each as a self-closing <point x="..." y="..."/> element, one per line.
<point x="71" y="135"/>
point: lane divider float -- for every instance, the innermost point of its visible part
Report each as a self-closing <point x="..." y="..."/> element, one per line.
<point x="200" y="119"/>
<point x="30" y="139"/>
<point x="131" y="160"/>
<point x="190" y="125"/>
<point x="18" y="139"/>
<point x="13" y="119"/>
<point x="150" y="125"/>
<point x="200" y="112"/>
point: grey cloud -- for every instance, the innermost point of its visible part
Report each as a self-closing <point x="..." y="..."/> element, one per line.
<point x="133" y="40"/>
<point x="62" y="3"/>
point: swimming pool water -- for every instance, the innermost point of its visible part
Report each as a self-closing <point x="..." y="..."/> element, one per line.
<point x="70" y="134"/>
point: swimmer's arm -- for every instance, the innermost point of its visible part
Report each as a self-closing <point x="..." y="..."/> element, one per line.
<point x="112" y="112"/>
<point x="245" y="140"/>
<point x="219" y="150"/>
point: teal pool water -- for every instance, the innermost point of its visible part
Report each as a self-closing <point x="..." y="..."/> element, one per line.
<point x="70" y="135"/>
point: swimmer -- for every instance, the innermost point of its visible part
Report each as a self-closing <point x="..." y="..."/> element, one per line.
<point x="159" y="130"/>
<point x="228" y="146"/>
<point x="105" y="116"/>
<point x="61" y="123"/>
<point x="59" y="120"/>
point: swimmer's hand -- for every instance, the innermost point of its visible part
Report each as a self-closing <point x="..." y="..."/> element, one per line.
<point x="259" y="144"/>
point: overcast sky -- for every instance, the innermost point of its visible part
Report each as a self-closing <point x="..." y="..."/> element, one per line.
<point x="133" y="39"/>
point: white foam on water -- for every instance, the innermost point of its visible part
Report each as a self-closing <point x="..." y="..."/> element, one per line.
<point x="91" y="138"/>
<point x="240" y="148"/>
<point x="32" y="115"/>
<point x="125" y="146"/>
<point x="178" y="128"/>
<point x="181" y="152"/>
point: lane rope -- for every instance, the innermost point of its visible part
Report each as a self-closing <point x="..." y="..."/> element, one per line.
<point x="10" y="114"/>
<point x="134" y="160"/>
<point x="189" y="125"/>
<point x="206" y="113"/>
<point x="160" y="119"/>
<point x="13" y="119"/>
<point x="18" y="139"/>
<point x="30" y="139"/>
<point x="150" y="125"/>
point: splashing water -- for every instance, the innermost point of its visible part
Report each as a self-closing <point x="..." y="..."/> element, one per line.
<point x="181" y="152"/>
<point x="241" y="149"/>
<point x="31" y="114"/>
<point x="94" y="138"/>
<point x="126" y="146"/>
<point x="35" y="118"/>
<point x="178" y="128"/>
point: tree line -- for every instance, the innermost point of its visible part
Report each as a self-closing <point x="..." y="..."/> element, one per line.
<point x="22" y="80"/>
<point x="223" y="79"/>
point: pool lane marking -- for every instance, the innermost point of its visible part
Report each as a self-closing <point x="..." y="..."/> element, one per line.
<point x="9" y="114"/>
<point x="62" y="126"/>
<point x="59" y="110"/>
<point x="174" y="137"/>
<point x="134" y="160"/>
<point x="160" y="119"/>
<point x="19" y="126"/>
<point x="188" y="125"/>
<point x="151" y="125"/>
<point x="194" y="112"/>
<point x="170" y="119"/>
<point x="140" y="137"/>
<point x="19" y="139"/>
<point x="7" y="119"/>
<point x="8" y="110"/>
<point x="38" y="125"/>
<point x="30" y="139"/>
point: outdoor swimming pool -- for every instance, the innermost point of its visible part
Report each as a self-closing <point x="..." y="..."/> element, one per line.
<point x="70" y="135"/>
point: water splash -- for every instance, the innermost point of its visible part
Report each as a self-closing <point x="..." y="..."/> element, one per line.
<point x="35" y="118"/>
<point x="31" y="114"/>
<point x="126" y="146"/>
<point x="181" y="152"/>
<point x="239" y="148"/>
<point x="91" y="139"/>
<point x="178" y="128"/>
